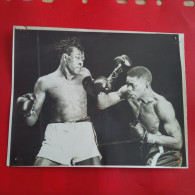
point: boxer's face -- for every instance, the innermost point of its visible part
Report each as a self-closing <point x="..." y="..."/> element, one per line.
<point x="136" y="87"/>
<point x="74" y="61"/>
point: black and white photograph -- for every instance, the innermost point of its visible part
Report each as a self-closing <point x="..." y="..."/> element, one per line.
<point x="97" y="98"/>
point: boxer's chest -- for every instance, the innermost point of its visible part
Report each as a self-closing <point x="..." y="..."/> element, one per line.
<point x="63" y="90"/>
<point x="147" y="116"/>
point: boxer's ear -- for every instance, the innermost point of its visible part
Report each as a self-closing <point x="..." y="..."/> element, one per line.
<point x="148" y="85"/>
<point x="64" y="57"/>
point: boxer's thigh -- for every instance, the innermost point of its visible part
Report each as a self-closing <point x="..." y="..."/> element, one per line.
<point x="90" y="161"/>
<point x="43" y="162"/>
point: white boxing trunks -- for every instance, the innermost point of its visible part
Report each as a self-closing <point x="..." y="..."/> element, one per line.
<point x="69" y="142"/>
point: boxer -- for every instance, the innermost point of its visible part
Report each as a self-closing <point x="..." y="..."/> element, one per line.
<point x="65" y="90"/>
<point x="67" y="105"/>
<point x="160" y="146"/>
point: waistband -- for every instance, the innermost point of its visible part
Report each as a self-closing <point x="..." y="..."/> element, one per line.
<point x="148" y="146"/>
<point x="86" y="119"/>
<point x="82" y="120"/>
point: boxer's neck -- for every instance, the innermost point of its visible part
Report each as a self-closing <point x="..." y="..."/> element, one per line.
<point x="63" y="72"/>
<point x="148" y="96"/>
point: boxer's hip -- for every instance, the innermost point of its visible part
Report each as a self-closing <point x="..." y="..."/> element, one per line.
<point x="155" y="155"/>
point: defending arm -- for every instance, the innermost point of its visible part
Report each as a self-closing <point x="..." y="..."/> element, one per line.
<point x="88" y="85"/>
<point x="173" y="139"/>
<point x="31" y="106"/>
<point x="103" y="84"/>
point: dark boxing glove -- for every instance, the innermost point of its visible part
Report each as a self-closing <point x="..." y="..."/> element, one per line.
<point x="94" y="87"/>
<point x="88" y="85"/>
<point x="138" y="131"/>
<point x="122" y="63"/>
<point x="25" y="104"/>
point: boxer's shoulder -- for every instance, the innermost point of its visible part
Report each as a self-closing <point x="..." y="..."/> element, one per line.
<point x="163" y="106"/>
<point x="44" y="82"/>
<point x="159" y="98"/>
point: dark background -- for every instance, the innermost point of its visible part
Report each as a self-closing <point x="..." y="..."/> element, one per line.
<point x="35" y="56"/>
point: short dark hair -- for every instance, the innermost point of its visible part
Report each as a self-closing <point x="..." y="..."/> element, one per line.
<point x="140" y="72"/>
<point x="66" y="45"/>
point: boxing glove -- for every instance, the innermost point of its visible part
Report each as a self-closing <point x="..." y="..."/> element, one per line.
<point x="25" y="104"/>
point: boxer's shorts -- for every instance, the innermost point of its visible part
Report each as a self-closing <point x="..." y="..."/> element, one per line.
<point x="69" y="143"/>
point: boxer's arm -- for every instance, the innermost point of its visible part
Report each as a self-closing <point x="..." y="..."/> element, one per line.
<point x="106" y="100"/>
<point x="88" y="82"/>
<point x="166" y="115"/>
<point x="39" y="91"/>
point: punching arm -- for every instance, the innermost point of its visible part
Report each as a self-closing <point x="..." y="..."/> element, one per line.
<point x="106" y="100"/>
<point x="103" y="84"/>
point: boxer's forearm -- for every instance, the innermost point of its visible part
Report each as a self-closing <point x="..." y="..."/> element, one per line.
<point x="31" y="119"/>
<point x="106" y="100"/>
<point x="164" y="140"/>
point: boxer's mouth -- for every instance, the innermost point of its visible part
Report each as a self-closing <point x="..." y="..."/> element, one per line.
<point x="132" y="96"/>
<point x="78" y="68"/>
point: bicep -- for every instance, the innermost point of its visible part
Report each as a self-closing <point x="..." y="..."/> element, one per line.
<point x="39" y="91"/>
<point x="172" y="128"/>
<point x="166" y="115"/>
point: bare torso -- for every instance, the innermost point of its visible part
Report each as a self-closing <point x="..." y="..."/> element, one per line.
<point x="66" y="99"/>
<point x="145" y="112"/>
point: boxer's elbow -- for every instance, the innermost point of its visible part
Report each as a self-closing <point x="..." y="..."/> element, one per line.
<point x="106" y="100"/>
<point x="178" y="143"/>
<point x="177" y="146"/>
<point x="101" y="107"/>
<point x="30" y="121"/>
<point x="101" y="101"/>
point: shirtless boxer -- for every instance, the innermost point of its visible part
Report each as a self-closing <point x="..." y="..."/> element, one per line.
<point x="70" y="137"/>
<point x="156" y="126"/>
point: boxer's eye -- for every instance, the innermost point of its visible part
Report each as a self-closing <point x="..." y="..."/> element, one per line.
<point x="130" y="85"/>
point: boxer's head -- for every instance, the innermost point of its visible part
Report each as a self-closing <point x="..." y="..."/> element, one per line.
<point x="66" y="46"/>
<point x="138" y="81"/>
<point x="72" y="54"/>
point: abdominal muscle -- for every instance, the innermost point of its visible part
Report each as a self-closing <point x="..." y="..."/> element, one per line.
<point x="67" y="103"/>
<point x="145" y="114"/>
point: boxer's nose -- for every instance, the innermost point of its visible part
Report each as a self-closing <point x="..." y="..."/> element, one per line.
<point x="129" y="88"/>
<point x="81" y="63"/>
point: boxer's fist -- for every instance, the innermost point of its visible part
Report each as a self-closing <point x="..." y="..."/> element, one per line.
<point x="25" y="103"/>
<point x="88" y="85"/>
<point x="122" y="63"/>
<point x="101" y="84"/>
<point x="123" y="60"/>
<point x="94" y="87"/>
<point x="138" y="131"/>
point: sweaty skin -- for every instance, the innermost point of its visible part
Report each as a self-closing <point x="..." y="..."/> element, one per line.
<point x="150" y="109"/>
<point x="65" y="95"/>
<point x="67" y="99"/>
